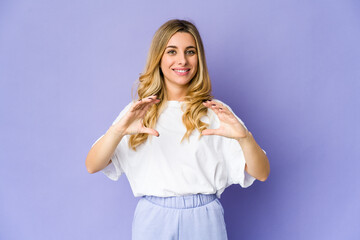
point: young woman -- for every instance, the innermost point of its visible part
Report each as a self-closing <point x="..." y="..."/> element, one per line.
<point x="178" y="147"/>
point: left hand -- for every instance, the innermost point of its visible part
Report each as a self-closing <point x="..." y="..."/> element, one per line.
<point x="229" y="125"/>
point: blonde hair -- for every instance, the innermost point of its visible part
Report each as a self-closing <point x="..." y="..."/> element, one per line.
<point x="151" y="82"/>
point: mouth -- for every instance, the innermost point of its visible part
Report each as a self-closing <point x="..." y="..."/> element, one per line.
<point x="181" y="71"/>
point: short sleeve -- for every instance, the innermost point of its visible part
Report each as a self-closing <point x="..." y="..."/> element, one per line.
<point x="117" y="166"/>
<point x="235" y="160"/>
<point x="235" y="164"/>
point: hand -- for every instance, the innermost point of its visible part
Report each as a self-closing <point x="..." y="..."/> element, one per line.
<point x="132" y="122"/>
<point x="229" y="125"/>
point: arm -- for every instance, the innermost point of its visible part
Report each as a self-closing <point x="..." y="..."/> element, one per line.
<point x="130" y="123"/>
<point x="257" y="163"/>
<point x="100" y="154"/>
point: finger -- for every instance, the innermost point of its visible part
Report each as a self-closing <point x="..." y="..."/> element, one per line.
<point x="214" y="102"/>
<point x="219" y="110"/>
<point x="209" y="104"/>
<point x="224" y="109"/>
<point x="136" y="105"/>
<point x="215" y="108"/>
<point x="210" y="132"/>
<point x="145" y="102"/>
<point x="221" y="107"/>
<point x="217" y="105"/>
<point x="148" y="101"/>
<point x="148" y="106"/>
<point x="153" y="97"/>
<point x="151" y="131"/>
<point x="206" y="104"/>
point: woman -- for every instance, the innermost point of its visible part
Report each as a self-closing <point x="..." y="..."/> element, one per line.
<point x="178" y="147"/>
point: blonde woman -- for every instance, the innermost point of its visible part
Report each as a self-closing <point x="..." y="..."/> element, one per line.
<point x="178" y="147"/>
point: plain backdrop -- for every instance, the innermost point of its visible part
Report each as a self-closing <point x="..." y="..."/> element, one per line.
<point x="289" y="69"/>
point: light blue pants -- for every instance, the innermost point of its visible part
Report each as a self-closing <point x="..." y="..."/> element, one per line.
<point x="191" y="217"/>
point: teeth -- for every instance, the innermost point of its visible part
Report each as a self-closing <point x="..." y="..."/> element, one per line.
<point x="181" y="70"/>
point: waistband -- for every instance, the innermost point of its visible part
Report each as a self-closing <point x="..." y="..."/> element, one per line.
<point x="186" y="201"/>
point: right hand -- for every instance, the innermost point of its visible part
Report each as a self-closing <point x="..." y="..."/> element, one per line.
<point x="132" y="122"/>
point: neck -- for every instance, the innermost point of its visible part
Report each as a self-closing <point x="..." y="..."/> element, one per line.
<point x="176" y="94"/>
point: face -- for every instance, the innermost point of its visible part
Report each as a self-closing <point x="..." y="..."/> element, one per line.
<point x="179" y="62"/>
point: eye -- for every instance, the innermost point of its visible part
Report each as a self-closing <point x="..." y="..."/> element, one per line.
<point x="190" y="52"/>
<point x="171" y="52"/>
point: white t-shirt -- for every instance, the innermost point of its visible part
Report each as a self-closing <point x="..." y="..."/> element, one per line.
<point x="162" y="166"/>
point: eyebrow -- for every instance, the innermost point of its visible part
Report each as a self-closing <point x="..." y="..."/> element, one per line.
<point x="171" y="46"/>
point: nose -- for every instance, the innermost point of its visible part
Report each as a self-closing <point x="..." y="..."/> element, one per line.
<point x="181" y="60"/>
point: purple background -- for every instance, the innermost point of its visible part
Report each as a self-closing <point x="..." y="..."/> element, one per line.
<point x="289" y="69"/>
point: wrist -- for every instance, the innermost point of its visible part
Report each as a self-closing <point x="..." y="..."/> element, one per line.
<point x="116" y="131"/>
<point x="247" y="137"/>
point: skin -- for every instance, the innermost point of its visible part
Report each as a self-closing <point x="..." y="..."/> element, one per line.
<point x="180" y="53"/>
<point x="257" y="163"/>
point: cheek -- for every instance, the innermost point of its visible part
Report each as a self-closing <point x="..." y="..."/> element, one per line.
<point x="163" y="62"/>
<point x="165" y="65"/>
<point x="195" y="64"/>
<point x="195" y="69"/>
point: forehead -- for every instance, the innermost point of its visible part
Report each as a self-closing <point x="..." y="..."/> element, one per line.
<point x="181" y="39"/>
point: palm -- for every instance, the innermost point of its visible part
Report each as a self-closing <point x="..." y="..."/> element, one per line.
<point x="229" y="125"/>
<point x="132" y="121"/>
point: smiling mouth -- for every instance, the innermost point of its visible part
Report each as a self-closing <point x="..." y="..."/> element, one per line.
<point x="181" y="71"/>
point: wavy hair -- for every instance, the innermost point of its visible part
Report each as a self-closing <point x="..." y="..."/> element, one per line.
<point x="151" y="82"/>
